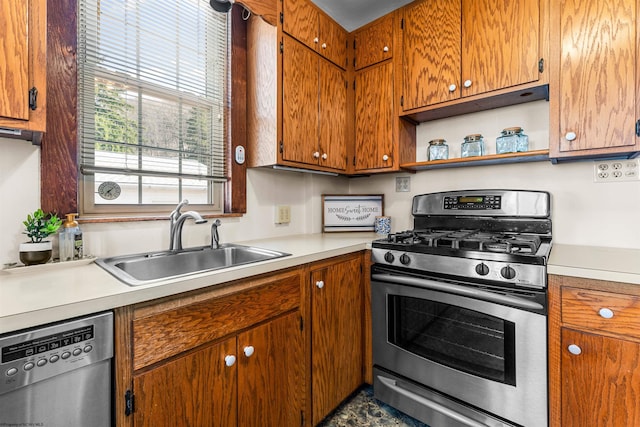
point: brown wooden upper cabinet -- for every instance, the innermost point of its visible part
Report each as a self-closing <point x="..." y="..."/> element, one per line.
<point x="454" y="49"/>
<point x="373" y="43"/>
<point x="23" y="89"/>
<point x="305" y="22"/>
<point x="595" y="85"/>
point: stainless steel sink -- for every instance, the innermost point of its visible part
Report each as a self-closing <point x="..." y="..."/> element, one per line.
<point x="141" y="269"/>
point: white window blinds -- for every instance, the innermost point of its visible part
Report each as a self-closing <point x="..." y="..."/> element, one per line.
<point x="152" y="79"/>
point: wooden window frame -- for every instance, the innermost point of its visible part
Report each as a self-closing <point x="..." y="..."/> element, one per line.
<point x="59" y="174"/>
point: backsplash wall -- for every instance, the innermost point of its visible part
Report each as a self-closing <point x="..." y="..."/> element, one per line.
<point x="584" y="212"/>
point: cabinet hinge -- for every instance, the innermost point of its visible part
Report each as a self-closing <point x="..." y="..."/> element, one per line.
<point x="354" y="85"/>
<point x="281" y="148"/>
<point x="541" y="65"/>
<point x="33" y="98"/>
<point x="638" y="128"/>
<point x="281" y="46"/>
<point x="402" y="24"/>
<point x="301" y="418"/>
<point x="354" y="62"/>
<point x="354" y="160"/>
<point x="129" y="402"/>
<point x="281" y="18"/>
<point x="354" y="43"/>
<point x="301" y="324"/>
<point x="346" y="84"/>
<point x="402" y="101"/>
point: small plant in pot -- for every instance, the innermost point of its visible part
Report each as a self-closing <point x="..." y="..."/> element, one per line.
<point x="38" y="227"/>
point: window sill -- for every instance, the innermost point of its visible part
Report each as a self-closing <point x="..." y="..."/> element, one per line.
<point x="133" y="218"/>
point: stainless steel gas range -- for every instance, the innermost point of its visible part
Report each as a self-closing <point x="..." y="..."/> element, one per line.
<point x="459" y="308"/>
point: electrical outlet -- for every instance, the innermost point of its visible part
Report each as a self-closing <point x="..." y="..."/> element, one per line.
<point x="283" y="214"/>
<point x="403" y="184"/>
<point x="616" y="170"/>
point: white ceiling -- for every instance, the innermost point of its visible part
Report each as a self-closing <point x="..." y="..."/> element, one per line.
<point x="353" y="14"/>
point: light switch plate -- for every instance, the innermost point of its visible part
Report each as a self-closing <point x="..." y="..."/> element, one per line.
<point x="616" y="170"/>
<point x="403" y="184"/>
<point x="283" y="214"/>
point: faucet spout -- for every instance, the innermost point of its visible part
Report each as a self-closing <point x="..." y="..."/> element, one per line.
<point x="215" y="237"/>
<point x="177" y="223"/>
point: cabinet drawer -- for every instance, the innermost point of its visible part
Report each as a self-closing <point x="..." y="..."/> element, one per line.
<point x="605" y="311"/>
<point x="165" y="334"/>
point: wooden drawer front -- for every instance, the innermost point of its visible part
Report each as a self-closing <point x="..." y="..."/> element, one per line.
<point x="171" y="332"/>
<point x="582" y="308"/>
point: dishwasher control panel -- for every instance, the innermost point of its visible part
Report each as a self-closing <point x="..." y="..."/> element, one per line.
<point x="37" y="354"/>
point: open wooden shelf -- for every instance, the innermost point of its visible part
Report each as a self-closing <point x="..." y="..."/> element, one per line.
<point x="492" y="159"/>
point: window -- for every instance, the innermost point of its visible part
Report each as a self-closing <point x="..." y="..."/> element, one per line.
<point x="153" y="104"/>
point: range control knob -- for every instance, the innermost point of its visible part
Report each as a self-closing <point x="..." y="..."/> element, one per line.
<point x="389" y="257"/>
<point x="405" y="259"/>
<point x="508" y="272"/>
<point x="482" y="269"/>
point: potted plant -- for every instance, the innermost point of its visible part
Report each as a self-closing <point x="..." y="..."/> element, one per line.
<point x="38" y="226"/>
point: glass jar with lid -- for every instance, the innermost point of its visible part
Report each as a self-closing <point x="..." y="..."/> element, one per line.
<point x="512" y="140"/>
<point x="473" y="145"/>
<point x="438" y="150"/>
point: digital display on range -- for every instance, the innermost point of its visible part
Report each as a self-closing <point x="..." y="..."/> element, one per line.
<point x="467" y="199"/>
<point x="44" y="344"/>
<point x="472" y="202"/>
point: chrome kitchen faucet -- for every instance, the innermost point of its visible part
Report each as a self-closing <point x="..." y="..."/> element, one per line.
<point x="177" y="222"/>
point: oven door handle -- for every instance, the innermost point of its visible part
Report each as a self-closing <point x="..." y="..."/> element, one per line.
<point x="459" y="290"/>
<point x="392" y="384"/>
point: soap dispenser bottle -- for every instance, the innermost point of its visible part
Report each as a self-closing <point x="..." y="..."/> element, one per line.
<point x="70" y="239"/>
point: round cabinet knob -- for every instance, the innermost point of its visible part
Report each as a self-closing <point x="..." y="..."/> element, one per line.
<point x="405" y="259"/>
<point x="467" y="83"/>
<point x="316" y="40"/>
<point x="385" y="49"/>
<point x="574" y="349"/>
<point x="316" y="154"/>
<point x="452" y="88"/>
<point x="248" y="350"/>
<point x="320" y="284"/>
<point x="389" y="257"/>
<point x="606" y="313"/>
<point x="570" y="136"/>
<point x="482" y="269"/>
<point x="385" y="157"/>
<point x="230" y="360"/>
<point x="508" y="272"/>
<point x="324" y="45"/>
<point x="324" y="156"/>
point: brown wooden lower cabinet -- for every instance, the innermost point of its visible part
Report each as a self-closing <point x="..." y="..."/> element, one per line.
<point x="594" y="353"/>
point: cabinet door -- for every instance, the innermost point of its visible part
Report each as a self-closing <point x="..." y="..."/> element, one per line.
<point x="500" y="41"/>
<point x="300" y="21"/>
<point x="601" y="385"/>
<point x="270" y="374"/>
<point x="374" y="117"/>
<point x="333" y="41"/>
<point x="23" y="26"/>
<point x="431" y="53"/>
<point x="374" y="43"/>
<point x="300" y="103"/>
<point x="598" y="76"/>
<point x="198" y="389"/>
<point x="333" y="116"/>
<point x="337" y="320"/>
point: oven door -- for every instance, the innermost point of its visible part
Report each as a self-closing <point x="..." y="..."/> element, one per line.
<point x="482" y="346"/>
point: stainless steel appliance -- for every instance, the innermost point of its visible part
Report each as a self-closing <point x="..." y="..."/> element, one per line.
<point x="58" y="375"/>
<point x="459" y="310"/>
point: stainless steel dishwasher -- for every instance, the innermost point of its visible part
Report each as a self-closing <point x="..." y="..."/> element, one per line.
<point x="58" y="375"/>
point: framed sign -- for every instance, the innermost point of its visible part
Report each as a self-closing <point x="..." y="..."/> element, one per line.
<point x="351" y="212"/>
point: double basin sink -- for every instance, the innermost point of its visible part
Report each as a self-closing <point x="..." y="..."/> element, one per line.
<point x="141" y="269"/>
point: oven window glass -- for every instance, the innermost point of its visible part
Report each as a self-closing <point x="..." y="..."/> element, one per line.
<point x="456" y="337"/>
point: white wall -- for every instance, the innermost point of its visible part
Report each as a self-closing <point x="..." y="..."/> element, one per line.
<point x="584" y="212"/>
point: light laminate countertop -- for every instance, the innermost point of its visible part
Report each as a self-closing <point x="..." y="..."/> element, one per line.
<point x="592" y="262"/>
<point x="37" y="295"/>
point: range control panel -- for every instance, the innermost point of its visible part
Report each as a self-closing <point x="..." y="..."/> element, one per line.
<point x="473" y="202"/>
<point x="37" y="354"/>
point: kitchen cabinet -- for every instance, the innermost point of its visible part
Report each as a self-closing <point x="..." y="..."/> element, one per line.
<point x="337" y="332"/>
<point x="459" y="56"/>
<point x="23" y="94"/>
<point x="382" y="140"/>
<point x="594" y="352"/>
<point x="215" y="357"/>
<point x="595" y="92"/>
<point x="305" y="22"/>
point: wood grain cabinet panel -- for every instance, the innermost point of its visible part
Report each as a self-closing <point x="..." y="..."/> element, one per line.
<point x="332" y="117"/>
<point x="23" y="70"/>
<point x="595" y="90"/>
<point x="337" y="334"/>
<point x="374" y="42"/>
<point x="594" y="355"/>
